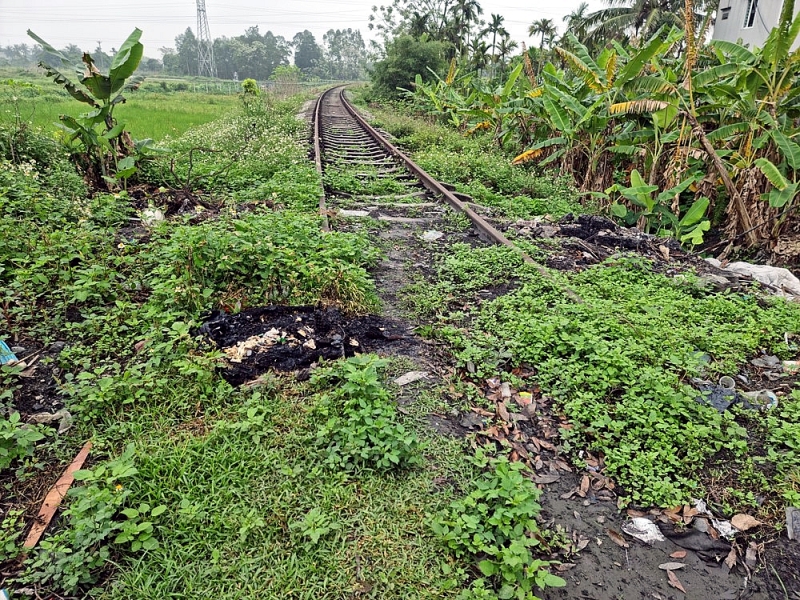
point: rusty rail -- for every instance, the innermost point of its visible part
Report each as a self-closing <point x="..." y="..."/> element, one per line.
<point x="486" y="229"/>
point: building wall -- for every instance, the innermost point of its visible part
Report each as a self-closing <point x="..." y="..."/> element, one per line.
<point x="733" y="27"/>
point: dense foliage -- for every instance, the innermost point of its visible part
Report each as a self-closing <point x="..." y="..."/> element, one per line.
<point x="711" y="126"/>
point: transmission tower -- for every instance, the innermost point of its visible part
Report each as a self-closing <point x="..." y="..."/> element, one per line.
<point x="205" y="47"/>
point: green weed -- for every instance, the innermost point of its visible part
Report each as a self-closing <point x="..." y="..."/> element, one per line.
<point x="362" y="429"/>
<point x="496" y="522"/>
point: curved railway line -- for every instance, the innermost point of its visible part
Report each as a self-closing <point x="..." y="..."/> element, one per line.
<point x="385" y="184"/>
<point x="343" y="138"/>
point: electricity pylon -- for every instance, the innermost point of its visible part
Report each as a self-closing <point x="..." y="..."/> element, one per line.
<point x="205" y="46"/>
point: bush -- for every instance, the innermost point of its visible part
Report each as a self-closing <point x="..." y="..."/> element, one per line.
<point x="406" y="57"/>
<point x="17" y="440"/>
<point x="362" y="430"/>
<point x="497" y="522"/>
<point x="264" y="258"/>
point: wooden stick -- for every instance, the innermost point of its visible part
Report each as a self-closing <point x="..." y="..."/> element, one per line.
<point x="54" y="497"/>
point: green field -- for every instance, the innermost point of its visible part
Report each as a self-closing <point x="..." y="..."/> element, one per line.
<point x="148" y="114"/>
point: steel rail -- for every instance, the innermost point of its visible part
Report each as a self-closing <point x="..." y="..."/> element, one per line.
<point x="318" y="157"/>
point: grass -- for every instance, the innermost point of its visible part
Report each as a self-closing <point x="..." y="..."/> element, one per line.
<point x="36" y="100"/>
<point x="195" y="488"/>
<point x="620" y="365"/>
<point x="239" y="493"/>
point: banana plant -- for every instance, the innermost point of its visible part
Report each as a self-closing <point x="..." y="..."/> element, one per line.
<point x="656" y="214"/>
<point x="97" y="131"/>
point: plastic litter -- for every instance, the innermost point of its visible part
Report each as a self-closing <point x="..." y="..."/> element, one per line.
<point x="793" y="523"/>
<point x="791" y="367"/>
<point x="766" y="362"/>
<point x="718" y="396"/>
<point x="432" y="235"/>
<point x="151" y="216"/>
<point x="410" y="377"/>
<point x="63" y="416"/>
<point x="6" y="355"/>
<point x="644" y="530"/>
<point x="777" y="277"/>
<point x="727" y="382"/>
<point x="760" y="400"/>
<point x="724" y="395"/>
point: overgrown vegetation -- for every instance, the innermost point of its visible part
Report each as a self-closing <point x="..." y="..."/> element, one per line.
<point x="496" y="522"/>
<point x="620" y="365"/>
<point x="707" y="124"/>
<point x="476" y="167"/>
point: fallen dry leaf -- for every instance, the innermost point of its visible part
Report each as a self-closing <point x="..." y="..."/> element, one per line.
<point x="617" y="539"/>
<point x="730" y="561"/>
<point x="560" y="463"/>
<point x="564" y="567"/>
<point x="671" y="566"/>
<point x="635" y="513"/>
<point x="584" y="484"/>
<point x="545" y="479"/>
<point x="675" y="582"/>
<point x="744" y="522"/>
<point x="502" y="412"/>
<point x="678" y="554"/>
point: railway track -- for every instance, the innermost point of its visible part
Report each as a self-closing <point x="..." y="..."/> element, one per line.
<point x="345" y="141"/>
<point x="367" y="178"/>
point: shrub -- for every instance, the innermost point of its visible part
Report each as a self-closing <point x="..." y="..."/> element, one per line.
<point x="496" y="521"/>
<point x="362" y="430"/>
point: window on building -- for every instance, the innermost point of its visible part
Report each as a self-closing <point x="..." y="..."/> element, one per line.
<point x="750" y="14"/>
<point x="726" y="12"/>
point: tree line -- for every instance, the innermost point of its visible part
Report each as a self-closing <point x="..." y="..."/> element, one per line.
<point x="420" y="36"/>
<point x="341" y="55"/>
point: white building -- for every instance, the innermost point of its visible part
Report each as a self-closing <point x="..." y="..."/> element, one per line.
<point x="748" y="21"/>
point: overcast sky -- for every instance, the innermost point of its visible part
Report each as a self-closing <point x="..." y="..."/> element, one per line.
<point x="84" y="22"/>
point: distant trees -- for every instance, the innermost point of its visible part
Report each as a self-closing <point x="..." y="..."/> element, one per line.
<point x="345" y="54"/>
<point x="254" y="55"/>
<point x="307" y="53"/>
<point x="406" y="56"/>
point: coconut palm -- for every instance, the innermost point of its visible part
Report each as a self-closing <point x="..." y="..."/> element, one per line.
<point x="543" y="27"/>
<point x="576" y="21"/>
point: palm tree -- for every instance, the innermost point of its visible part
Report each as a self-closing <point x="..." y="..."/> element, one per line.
<point x="576" y="21"/>
<point x="543" y="27"/>
<point x="495" y="27"/>
<point x="506" y="47"/>
<point x="479" y="54"/>
<point x="465" y="12"/>
<point x="418" y="24"/>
